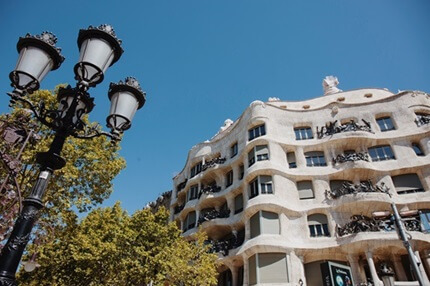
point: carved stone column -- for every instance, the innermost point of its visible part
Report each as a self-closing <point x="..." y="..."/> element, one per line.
<point x="234" y="275"/>
<point x="398" y="267"/>
<point x="358" y="274"/>
<point x="245" y="272"/>
<point x="372" y="268"/>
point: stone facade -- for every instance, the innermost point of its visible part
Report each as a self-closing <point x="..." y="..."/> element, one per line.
<point x="290" y="185"/>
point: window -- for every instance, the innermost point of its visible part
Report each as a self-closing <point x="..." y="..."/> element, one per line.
<point x="268" y="268"/>
<point x="425" y="220"/>
<point x="196" y="169"/>
<point x="264" y="222"/>
<point x="260" y="185"/>
<point x="233" y="150"/>
<point x="238" y="204"/>
<point x="315" y="159"/>
<point x="305" y="190"/>
<point x="407" y="183"/>
<point x="225" y="278"/>
<point x="258" y="153"/>
<point x="291" y="159"/>
<point x="417" y="149"/>
<point x="385" y="124"/>
<point x="190" y="221"/>
<point x="266" y="185"/>
<point x="192" y="193"/>
<point x="303" y="133"/>
<point x="241" y="171"/>
<point x="381" y="153"/>
<point x="256" y="132"/>
<point x="318" y="225"/>
<point x="229" y="179"/>
<point x="253" y="188"/>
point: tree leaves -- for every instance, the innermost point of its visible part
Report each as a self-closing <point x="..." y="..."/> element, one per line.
<point x="109" y="247"/>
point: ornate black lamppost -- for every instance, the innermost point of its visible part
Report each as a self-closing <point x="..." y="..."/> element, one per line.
<point x="99" y="48"/>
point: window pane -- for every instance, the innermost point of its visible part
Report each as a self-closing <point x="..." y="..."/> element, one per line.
<point x="272" y="268"/>
<point x="388" y="152"/>
<point x="417" y="149"/>
<point x="269" y="223"/>
<point x="238" y="204"/>
<point x="312" y="230"/>
<point x="318" y="228"/>
<point x="255" y="225"/>
<point x="325" y="229"/>
<point x="372" y="153"/>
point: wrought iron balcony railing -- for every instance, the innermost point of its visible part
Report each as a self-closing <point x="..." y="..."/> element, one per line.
<point x="349" y="188"/>
<point x="213" y="163"/>
<point x="178" y="208"/>
<point x="333" y="128"/>
<point x="361" y="223"/>
<point x="209" y="190"/>
<point x="225" y="245"/>
<point x="213" y="214"/>
<point x="422" y="119"/>
<point x="352" y="157"/>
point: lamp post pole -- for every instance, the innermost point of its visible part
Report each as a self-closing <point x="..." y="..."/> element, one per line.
<point x="407" y="244"/>
<point x="99" y="49"/>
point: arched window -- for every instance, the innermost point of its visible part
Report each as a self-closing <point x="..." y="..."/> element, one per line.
<point x="407" y="183"/>
<point x="264" y="222"/>
<point x="190" y="221"/>
<point x="268" y="268"/>
<point x="305" y="190"/>
<point x="318" y="225"/>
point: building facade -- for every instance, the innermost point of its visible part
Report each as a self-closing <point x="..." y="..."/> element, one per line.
<point x="292" y="186"/>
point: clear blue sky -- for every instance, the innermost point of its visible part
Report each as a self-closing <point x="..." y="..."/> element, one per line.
<point x="204" y="61"/>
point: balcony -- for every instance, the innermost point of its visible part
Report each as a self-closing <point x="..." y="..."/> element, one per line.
<point x="422" y="119"/>
<point x="223" y="246"/>
<point x="178" y="208"/>
<point x="332" y="128"/>
<point x="363" y="187"/>
<point x="213" y="214"/>
<point x="213" y="163"/>
<point x="361" y="223"/>
<point x="351" y="157"/>
<point x="209" y="190"/>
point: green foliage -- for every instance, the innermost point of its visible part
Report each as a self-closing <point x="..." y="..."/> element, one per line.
<point x="84" y="182"/>
<point x="109" y="247"/>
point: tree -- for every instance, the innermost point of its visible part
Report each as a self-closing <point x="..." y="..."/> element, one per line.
<point x="84" y="182"/>
<point x="109" y="247"/>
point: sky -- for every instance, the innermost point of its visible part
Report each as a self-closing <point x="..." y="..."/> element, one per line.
<point x="203" y="61"/>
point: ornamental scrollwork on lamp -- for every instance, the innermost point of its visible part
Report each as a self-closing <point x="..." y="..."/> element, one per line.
<point x="17" y="241"/>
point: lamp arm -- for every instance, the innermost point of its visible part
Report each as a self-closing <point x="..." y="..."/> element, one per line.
<point x="93" y="130"/>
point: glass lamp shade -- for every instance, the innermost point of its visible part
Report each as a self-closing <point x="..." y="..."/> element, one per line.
<point x="126" y="98"/>
<point x="99" y="48"/>
<point x="37" y="56"/>
<point x="72" y="98"/>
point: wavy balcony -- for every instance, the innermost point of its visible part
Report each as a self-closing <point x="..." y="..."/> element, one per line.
<point x="361" y="223"/>
<point x="213" y="214"/>
<point x="348" y="188"/>
<point x="332" y="128"/>
<point x="228" y="243"/>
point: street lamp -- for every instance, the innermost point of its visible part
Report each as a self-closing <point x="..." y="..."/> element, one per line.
<point x="99" y="48"/>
